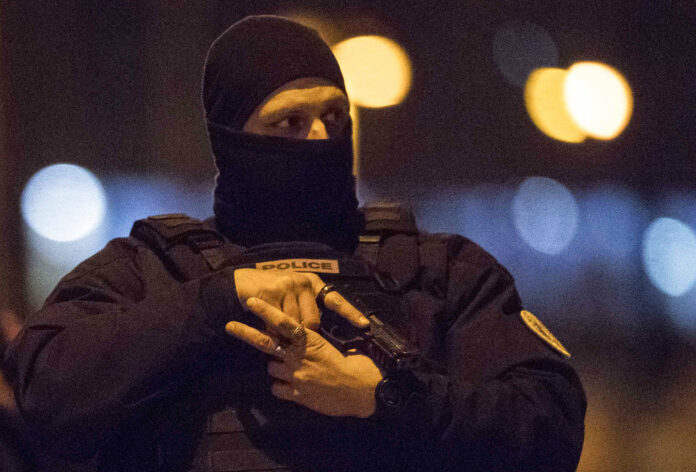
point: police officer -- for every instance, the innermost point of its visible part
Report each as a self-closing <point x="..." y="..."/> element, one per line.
<point x="176" y="348"/>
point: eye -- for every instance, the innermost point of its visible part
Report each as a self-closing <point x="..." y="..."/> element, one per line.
<point x="290" y="122"/>
<point x="333" y="116"/>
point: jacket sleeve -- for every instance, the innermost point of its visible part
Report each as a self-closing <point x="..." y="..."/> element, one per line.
<point x="508" y="401"/>
<point x="115" y="335"/>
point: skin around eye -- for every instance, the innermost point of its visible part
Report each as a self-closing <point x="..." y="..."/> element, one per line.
<point x="335" y="120"/>
<point x="284" y="123"/>
<point x="292" y="110"/>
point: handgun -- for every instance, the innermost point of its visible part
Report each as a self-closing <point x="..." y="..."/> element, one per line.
<point x="391" y="351"/>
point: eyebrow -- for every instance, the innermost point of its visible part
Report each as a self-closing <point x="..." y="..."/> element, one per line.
<point x="298" y="105"/>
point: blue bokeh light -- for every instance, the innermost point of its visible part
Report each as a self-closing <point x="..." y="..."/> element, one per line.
<point x="614" y="219"/>
<point x="669" y="256"/>
<point x="135" y="196"/>
<point x="480" y="213"/>
<point x="681" y="311"/>
<point x="545" y="214"/>
<point x="63" y="202"/>
<point x="130" y="197"/>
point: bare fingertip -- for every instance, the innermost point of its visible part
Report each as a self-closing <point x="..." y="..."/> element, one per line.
<point x="251" y="302"/>
<point x="230" y="327"/>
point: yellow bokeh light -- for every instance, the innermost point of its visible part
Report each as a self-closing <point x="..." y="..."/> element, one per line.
<point x="377" y="71"/>
<point x="598" y="98"/>
<point x="355" y="118"/>
<point x="543" y="96"/>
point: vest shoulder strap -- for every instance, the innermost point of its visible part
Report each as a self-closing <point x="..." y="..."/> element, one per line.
<point x="188" y="247"/>
<point x="435" y="251"/>
<point x="391" y="244"/>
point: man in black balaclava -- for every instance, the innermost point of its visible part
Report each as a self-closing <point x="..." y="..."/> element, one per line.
<point x="136" y="360"/>
<point x="268" y="187"/>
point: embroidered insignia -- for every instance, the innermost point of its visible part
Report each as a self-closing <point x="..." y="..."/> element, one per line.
<point x="326" y="266"/>
<point x="542" y="331"/>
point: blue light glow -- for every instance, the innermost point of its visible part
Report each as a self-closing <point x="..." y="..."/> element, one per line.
<point x="63" y="202"/>
<point x="545" y="214"/>
<point x="681" y="311"/>
<point x="614" y="219"/>
<point x="134" y="197"/>
<point x="131" y="197"/>
<point x="669" y="256"/>
<point x="480" y="213"/>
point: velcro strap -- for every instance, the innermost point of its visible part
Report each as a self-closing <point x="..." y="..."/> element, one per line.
<point x="368" y="248"/>
<point x="389" y="217"/>
<point x="169" y="234"/>
<point x="173" y="228"/>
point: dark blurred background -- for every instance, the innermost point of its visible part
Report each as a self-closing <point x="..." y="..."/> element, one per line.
<point x="600" y="235"/>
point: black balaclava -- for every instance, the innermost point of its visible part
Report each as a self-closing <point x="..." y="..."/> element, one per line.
<point x="272" y="189"/>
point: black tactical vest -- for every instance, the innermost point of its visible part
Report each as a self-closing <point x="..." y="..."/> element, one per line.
<point x="228" y="420"/>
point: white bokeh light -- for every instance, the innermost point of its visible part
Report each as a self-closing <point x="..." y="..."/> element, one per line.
<point x="598" y="98"/>
<point x="63" y="202"/>
<point x="545" y="214"/>
<point x="669" y="256"/>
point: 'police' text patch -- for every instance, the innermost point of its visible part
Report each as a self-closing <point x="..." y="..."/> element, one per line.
<point x="542" y="331"/>
<point x="326" y="266"/>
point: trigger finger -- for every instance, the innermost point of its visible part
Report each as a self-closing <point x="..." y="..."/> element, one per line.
<point x="334" y="301"/>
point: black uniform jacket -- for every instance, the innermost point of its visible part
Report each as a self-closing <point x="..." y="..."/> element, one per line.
<point x="121" y="367"/>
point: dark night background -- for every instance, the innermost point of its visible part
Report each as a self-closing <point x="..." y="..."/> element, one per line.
<point x="114" y="87"/>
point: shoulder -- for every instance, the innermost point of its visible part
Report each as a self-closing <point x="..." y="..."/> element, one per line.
<point x="460" y="252"/>
<point x="121" y="269"/>
<point x="117" y="251"/>
<point x="469" y="275"/>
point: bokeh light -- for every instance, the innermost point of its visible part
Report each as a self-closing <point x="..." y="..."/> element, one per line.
<point x="669" y="256"/>
<point x="545" y="214"/>
<point x="681" y="311"/>
<point x="134" y="197"/>
<point x="521" y="47"/>
<point x="46" y="261"/>
<point x="481" y="213"/>
<point x="63" y="202"/>
<point x="377" y="71"/>
<point x="543" y="97"/>
<point x="598" y="98"/>
<point x="614" y="219"/>
<point x="325" y="27"/>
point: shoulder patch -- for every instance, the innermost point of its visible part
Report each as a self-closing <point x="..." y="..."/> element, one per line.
<point x="542" y="331"/>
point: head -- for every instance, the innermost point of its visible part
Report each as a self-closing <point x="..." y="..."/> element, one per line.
<point x="280" y="131"/>
<point x="305" y="108"/>
<point x="266" y="58"/>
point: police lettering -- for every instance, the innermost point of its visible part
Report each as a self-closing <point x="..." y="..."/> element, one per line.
<point x="306" y="265"/>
